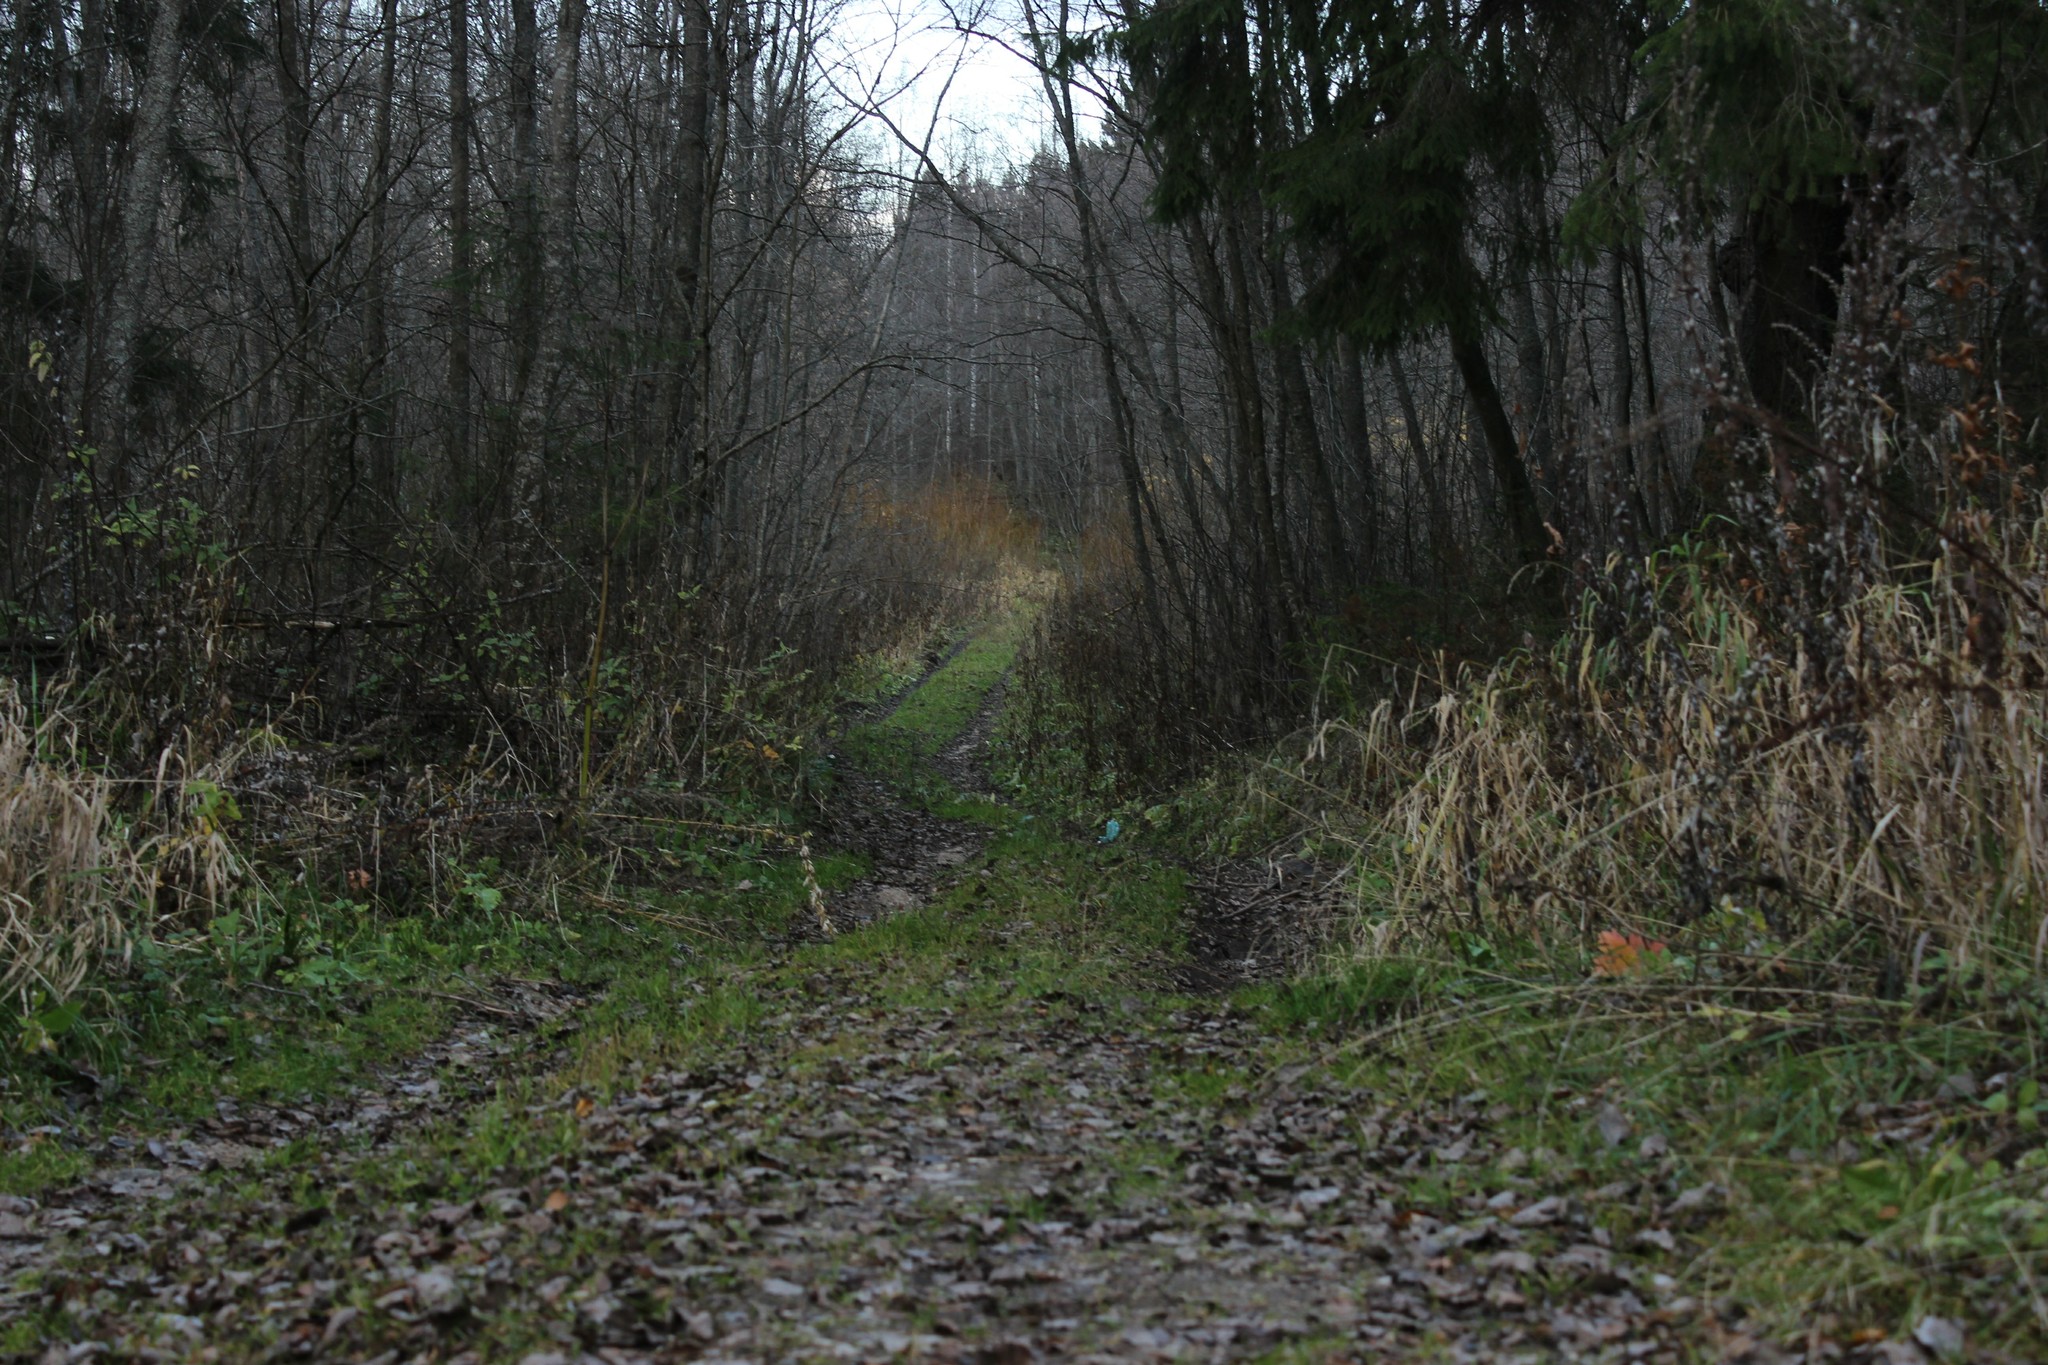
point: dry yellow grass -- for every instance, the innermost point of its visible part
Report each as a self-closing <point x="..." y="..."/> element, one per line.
<point x="966" y="528"/>
<point x="69" y="876"/>
<point x="1703" y="766"/>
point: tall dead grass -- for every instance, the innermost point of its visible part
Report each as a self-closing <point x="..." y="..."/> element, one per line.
<point x="1704" y="769"/>
<point x="70" y="877"/>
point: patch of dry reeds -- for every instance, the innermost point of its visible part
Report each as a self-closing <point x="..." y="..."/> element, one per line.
<point x="70" y="877"/>
<point x="1703" y="767"/>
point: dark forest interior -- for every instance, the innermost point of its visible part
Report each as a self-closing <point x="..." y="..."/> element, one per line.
<point x="1487" y="558"/>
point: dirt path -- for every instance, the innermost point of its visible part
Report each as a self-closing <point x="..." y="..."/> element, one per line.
<point x="986" y="1123"/>
<point x="1042" y="1177"/>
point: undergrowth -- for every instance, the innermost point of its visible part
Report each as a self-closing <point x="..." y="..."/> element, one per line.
<point x="271" y="908"/>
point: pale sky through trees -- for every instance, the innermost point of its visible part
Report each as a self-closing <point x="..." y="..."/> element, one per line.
<point x="968" y="58"/>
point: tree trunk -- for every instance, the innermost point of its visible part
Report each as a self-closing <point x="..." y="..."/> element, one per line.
<point x="138" y="217"/>
<point x="81" y="82"/>
<point x="462" y="248"/>
<point x="565" y="149"/>
<point x="554" y="262"/>
<point x="1534" y="397"/>
<point x="1258" y="474"/>
<point x="1442" y="544"/>
<point x="689" y="455"/>
<point x="1332" y="562"/>
<point x="1621" y="397"/>
<point x="1517" y="494"/>
<point x="1783" y="267"/>
<point x="377" y="324"/>
<point x="1357" y="422"/>
<point x="525" y="314"/>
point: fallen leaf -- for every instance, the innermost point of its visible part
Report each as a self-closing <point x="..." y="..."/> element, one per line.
<point x="436" y="1292"/>
<point x="1941" y="1336"/>
<point x="1619" y="954"/>
<point x="1542" y="1212"/>
<point x="338" y="1324"/>
<point x="1698" y="1198"/>
<point x="557" y="1201"/>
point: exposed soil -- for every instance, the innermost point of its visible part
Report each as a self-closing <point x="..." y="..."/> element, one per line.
<point x="964" y="762"/>
<point x="911" y="850"/>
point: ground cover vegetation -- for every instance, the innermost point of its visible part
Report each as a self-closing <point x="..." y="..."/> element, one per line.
<point x="1386" y="703"/>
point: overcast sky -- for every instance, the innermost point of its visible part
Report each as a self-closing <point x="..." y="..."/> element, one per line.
<point x="991" y="96"/>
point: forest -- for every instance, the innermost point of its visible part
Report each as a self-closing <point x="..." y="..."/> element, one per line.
<point x="1008" y="680"/>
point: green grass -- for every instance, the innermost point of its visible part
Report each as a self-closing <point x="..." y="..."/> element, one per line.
<point x="38" y="1163"/>
<point x="228" y="1015"/>
<point x="1038" y="915"/>
<point x="900" y="747"/>
<point x="28" y="1336"/>
<point x="1209" y="1085"/>
<point x="1757" y="1104"/>
<point x="879" y="676"/>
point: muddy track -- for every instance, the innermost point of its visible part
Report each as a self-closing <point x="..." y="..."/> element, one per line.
<point x="874" y="713"/>
<point x="964" y="762"/>
<point x="911" y="851"/>
<point x="491" y="1039"/>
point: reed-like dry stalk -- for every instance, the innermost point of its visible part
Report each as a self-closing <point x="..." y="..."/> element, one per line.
<point x="1696" y="770"/>
<point x="70" y="877"/>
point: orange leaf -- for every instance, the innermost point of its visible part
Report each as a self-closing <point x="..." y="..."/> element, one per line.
<point x="1620" y="954"/>
<point x="557" y="1201"/>
<point x="1617" y="955"/>
<point x="584" y="1106"/>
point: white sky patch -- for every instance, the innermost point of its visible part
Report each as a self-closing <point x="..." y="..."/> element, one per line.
<point x="962" y="62"/>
